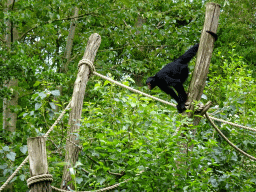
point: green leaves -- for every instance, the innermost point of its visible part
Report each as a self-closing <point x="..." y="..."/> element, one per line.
<point x="124" y="134"/>
<point x="11" y="156"/>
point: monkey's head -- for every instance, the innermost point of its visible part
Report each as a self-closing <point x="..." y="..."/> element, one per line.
<point x="151" y="82"/>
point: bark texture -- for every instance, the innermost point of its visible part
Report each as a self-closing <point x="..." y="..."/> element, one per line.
<point x="38" y="163"/>
<point x="72" y="150"/>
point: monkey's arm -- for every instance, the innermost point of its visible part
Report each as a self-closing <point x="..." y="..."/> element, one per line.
<point x="169" y="91"/>
<point x="181" y="92"/>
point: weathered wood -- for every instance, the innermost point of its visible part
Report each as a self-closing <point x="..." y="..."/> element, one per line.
<point x="38" y="163"/>
<point x="204" y="54"/>
<point x="76" y="107"/>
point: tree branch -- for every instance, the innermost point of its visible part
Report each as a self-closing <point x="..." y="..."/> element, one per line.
<point x="117" y="174"/>
<point x="24" y="34"/>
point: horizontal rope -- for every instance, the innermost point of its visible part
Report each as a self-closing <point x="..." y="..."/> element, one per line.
<point x="233" y="124"/>
<point x="99" y="190"/>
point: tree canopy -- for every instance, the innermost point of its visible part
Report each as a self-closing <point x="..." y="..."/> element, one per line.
<point x="124" y="135"/>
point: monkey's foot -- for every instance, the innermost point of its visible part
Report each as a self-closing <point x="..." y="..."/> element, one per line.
<point x="181" y="107"/>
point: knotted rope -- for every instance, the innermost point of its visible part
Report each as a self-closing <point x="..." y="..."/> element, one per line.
<point x="89" y="64"/>
<point x="39" y="178"/>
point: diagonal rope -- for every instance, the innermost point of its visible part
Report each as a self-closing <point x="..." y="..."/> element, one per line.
<point x="26" y="159"/>
<point x="14" y="173"/>
<point x="134" y="90"/>
<point x="229" y="142"/>
<point x="57" y="121"/>
<point x="168" y="103"/>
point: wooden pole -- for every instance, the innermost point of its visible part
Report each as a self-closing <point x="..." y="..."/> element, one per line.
<point x="38" y="163"/>
<point x="76" y="108"/>
<point x="204" y="54"/>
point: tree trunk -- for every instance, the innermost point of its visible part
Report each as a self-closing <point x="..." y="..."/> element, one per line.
<point x="139" y="24"/>
<point x="76" y="109"/>
<point x="69" y="45"/>
<point x="70" y="41"/>
<point x="204" y="55"/>
<point x="9" y="118"/>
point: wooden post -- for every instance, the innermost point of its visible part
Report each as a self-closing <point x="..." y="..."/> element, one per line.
<point x="204" y="54"/>
<point x="76" y="108"/>
<point x="38" y="164"/>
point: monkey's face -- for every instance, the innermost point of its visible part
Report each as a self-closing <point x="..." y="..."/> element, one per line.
<point x="151" y="83"/>
<point x="149" y="86"/>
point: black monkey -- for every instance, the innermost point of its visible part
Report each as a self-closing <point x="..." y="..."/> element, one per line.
<point x="175" y="74"/>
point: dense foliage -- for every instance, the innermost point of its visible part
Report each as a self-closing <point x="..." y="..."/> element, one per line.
<point x="124" y="135"/>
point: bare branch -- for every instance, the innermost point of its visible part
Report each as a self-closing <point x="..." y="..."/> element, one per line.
<point x="117" y="174"/>
<point x="130" y="33"/>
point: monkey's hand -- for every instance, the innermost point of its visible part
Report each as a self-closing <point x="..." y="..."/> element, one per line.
<point x="181" y="107"/>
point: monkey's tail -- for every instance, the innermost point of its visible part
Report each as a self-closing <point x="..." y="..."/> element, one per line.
<point x="215" y="36"/>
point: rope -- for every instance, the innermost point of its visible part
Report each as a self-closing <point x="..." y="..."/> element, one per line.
<point x="14" y="173"/>
<point x="229" y="142"/>
<point x="92" y="70"/>
<point x="89" y="64"/>
<point x="57" y="121"/>
<point x="26" y="159"/>
<point x="99" y="190"/>
<point x="168" y="103"/>
<point x="39" y="178"/>
<point x="134" y="90"/>
<point x="233" y="124"/>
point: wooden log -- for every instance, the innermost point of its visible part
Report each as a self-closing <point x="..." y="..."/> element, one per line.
<point x="76" y="108"/>
<point x="201" y="70"/>
<point x="38" y="163"/>
<point x="204" y="54"/>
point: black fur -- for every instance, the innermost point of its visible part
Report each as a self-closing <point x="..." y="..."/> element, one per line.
<point x="175" y="74"/>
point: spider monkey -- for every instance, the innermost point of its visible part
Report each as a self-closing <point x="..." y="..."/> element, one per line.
<point x="175" y="74"/>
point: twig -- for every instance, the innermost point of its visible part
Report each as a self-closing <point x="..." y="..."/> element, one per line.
<point x="130" y="33"/>
<point x="118" y="174"/>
